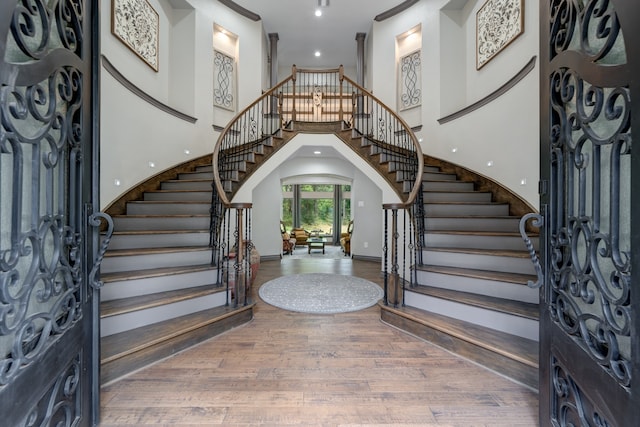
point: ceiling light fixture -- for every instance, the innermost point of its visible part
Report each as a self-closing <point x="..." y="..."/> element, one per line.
<point x="317" y="152"/>
<point x="317" y="53"/>
<point x="318" y="12"/>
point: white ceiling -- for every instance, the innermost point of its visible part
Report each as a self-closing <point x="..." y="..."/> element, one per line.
<point x="301" y="33"/>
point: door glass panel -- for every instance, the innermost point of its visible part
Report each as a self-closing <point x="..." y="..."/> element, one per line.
<point x="590" y="181"/>
<point x="39" y="145"/>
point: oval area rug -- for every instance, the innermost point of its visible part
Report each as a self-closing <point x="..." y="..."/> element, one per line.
<point x="320" y="293"/>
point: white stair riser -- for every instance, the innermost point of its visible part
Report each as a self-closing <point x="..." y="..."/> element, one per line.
<point x="439" y="176"/>
<point x="431" y="169"/>
<point x="133" y="241"/>
<point x="152" y="208"/>
<point x="479" y="262"/>
<point x="208" y="168"/>
<point x="499" y="321"/>
<point x="474" y="241"/>
<point x="150" y="285"/>
<point x="472" y="224"/>
<point x="427" y="169"/>
<point x="190" y="196"/>
<point x="125" y="322"/>
<point x="112" y="264"/>
<point x="456" y="197"/>
<point x="196" y="175"/>
<point x="447" y="186"/>
<point x="162" y="223"/>
<point x="187" y="185"/>
<point x="249" y="157"/>
<point x="445" y="209"/>
<point x="493" y="288"/>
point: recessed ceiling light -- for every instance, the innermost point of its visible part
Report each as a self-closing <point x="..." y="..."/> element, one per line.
<point x="317" y="152"/>
<point x="317" y="53"/>
<point x="318" y="12"/>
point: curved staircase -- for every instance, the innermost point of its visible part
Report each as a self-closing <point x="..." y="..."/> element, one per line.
<point x="161" y="294"/>
<point x="471" y="295"/>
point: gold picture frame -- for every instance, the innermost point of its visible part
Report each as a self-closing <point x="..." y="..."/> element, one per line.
<point x="137" y="24"/>
<point x="498" y="23"/>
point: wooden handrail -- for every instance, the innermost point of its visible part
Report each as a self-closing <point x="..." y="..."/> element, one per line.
<point x="296" y="88"/>
<point x="416" y="144"/>
<point x="225" y="131"/>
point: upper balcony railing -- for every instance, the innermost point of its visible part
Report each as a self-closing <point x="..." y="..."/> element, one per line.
<point x="320" y="97"/>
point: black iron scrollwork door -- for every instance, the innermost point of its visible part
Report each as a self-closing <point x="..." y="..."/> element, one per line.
<point x="48" y="188"/>
<point x="589" y="195"/>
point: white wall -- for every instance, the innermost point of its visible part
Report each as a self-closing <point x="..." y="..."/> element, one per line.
<point x="133" y="133"/>
<point x="505" y="131"/>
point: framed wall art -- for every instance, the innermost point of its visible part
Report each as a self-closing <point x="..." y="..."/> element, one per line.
<point x="498" y="23"/>
<point x="136" y="23"/>
<point x="224" y="81"/>
<point x="410" y="81"/>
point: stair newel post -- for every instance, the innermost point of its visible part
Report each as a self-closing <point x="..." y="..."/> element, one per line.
<point x="248" y="247"/>
<point x="404" y="255"/>
<point x="385" y="255"/>
<point x="227" y="274"/>
<point x="241" y="264"/>
<point x="294" y="76"/>
<point x="392" y="281"/>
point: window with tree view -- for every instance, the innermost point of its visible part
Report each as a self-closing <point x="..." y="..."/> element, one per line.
<point x="312" y="207"/>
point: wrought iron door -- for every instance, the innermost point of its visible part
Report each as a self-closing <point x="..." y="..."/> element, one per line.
<point x="48" y="185"/>
<point x="589" y="355"/>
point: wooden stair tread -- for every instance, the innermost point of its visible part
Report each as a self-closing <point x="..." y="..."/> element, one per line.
<point x="188" y="180"/>
<point x="154" y="251"/>
<point x="472" y="216"/>
<point x="479" y="233"/>
<point x="167" y="202"/>
<point x="514" y="347"/>
<point x="498" y="276"/>
<point x="436" y="180"/>
<point x="517" y="308"/>
<point x="176" y="191"/>
<point x="125" y="343"/>
<point x="456" y="191"/>
<point x="164" y="216"/>
<point x="493" y="252"/>
<point x="117" y="276"/>
<point x="152" y="232"/>
<point x="466" y="203"/>
<point x="131" y="304"/>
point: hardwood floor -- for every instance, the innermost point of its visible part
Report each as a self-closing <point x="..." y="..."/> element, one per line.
<point x="287" y="368"/>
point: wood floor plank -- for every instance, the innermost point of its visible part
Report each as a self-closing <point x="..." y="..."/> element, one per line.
<point x="286" y="368"/>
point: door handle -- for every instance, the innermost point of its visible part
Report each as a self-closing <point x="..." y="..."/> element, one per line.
<point x="95" y="221"/>
<point x="538" y="221"/>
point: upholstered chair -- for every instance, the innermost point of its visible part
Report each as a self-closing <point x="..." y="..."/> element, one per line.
<point x="288" y="242"/>
<point x="345" y="239"/>
<point x="301" y="236"/>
